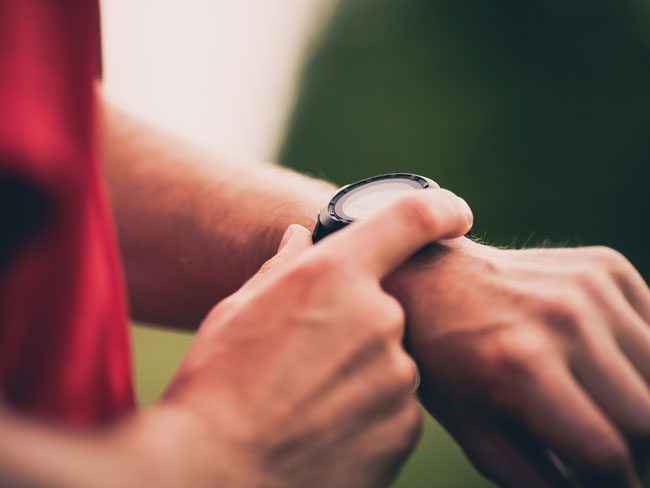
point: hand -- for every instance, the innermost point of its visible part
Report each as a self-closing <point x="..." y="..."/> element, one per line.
<point x="527" y="351"/>
<point x="300" y="378"/>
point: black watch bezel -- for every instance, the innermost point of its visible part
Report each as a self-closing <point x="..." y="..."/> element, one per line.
<point x="331" y="218"/>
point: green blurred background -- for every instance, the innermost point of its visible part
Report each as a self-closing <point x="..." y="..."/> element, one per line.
<point x="537" y="112"/>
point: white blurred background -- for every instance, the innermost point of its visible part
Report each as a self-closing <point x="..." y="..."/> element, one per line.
<point x="221" y="73"/>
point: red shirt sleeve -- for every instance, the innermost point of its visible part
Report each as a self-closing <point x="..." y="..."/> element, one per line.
<point x="64" y="349"/>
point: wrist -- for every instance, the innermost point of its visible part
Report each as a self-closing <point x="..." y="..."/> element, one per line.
<point x="438" y="256"/>
<point x="176" y="446"/>
<point x="162" y="446"/>
<point x="148" y="448"/>
<point x="427" y="275"/>
<point x="131" y="454"/>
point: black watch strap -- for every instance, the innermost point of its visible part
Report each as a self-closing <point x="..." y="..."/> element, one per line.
<point x="325" y="225"/>
<point x="319" y="231"/>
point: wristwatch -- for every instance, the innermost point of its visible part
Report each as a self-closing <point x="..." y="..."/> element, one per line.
<point x="363" y="198"/>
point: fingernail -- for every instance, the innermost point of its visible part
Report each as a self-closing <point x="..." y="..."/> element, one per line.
<point x="285" y="238"/>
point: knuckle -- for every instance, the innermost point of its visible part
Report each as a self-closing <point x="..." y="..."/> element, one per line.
<point x="608" y="454"/>
<point x="590" y="282"/>
<point x="609" y="258"/>
<point x="391" y="315"/>
<point x="587" y="277"/>
<point x="518" y="347"/>
<point x="395" y="312"/>
<point x="606" y="254"/>
<point x="618" y="270"/>
<point x="511" y="358"/>
<point x="403" y="371"/>
<point x="562" y="312"/>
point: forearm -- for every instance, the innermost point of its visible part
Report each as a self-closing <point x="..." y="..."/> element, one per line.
<point x="32" y="455"/>
<point x="162" y="446"/>
<point x="194" y="226"/>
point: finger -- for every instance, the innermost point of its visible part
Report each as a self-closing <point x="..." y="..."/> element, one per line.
<point x="616" y="372"/>
<point x="633" y="336"/>
<point x="619" y="389"/>
<point x="637" y="292"/>
<point x="632" y="283"/>
<point x="295" y="241"/>
<point x="512" y="458"/>
<point x="393" y="440"/>
<point x="388" y="238"/>
<point x="564" y="417"/>
<point x="372" y="391"/>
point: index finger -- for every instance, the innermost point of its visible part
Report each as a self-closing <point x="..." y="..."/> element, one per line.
<point x="388" y="238"/>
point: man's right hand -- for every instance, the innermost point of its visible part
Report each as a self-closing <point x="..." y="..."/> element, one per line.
<point x="300" y="378"/>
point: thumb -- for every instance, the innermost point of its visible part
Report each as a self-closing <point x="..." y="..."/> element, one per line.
<point x="294" y="241"/>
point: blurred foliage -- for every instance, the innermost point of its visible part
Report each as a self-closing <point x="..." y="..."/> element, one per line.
<point x="157" y="355"/>
<point x="536" y="111"/>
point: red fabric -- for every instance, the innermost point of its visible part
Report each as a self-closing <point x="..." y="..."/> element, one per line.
<point x="64" y="348"/>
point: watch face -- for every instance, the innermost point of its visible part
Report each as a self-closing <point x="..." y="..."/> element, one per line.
<point x="363" y="199"/>
<point x="371" y="198"/>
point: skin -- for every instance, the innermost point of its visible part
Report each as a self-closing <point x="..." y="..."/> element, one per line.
<point x="535" y="350"/>
<point x="194" y="226"/>
<point x="520" y="351"/>
<point x="298" y="379"/>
